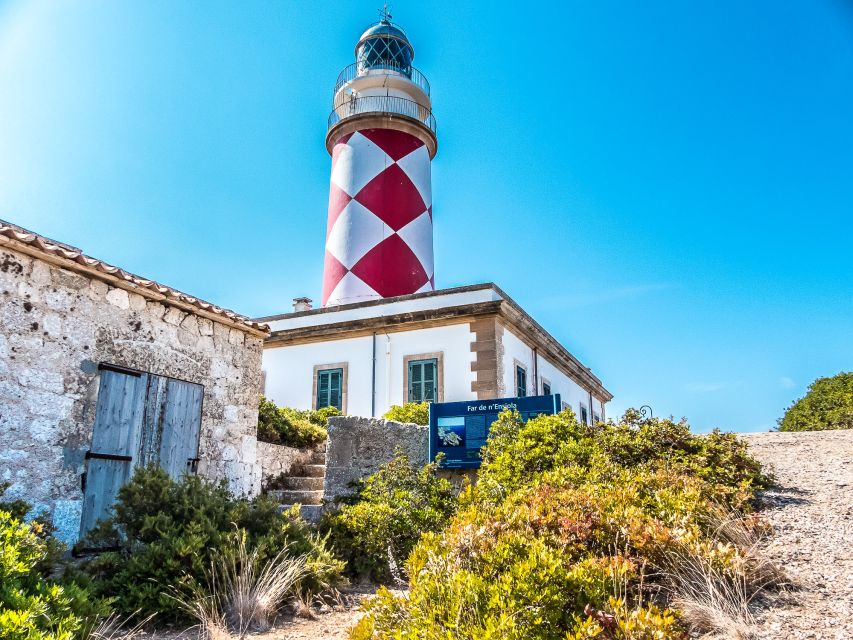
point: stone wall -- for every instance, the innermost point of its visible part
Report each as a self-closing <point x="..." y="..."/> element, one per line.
<point x="56" y="326"/>
<point x="277" y="459"/>
<point x="358" y="446"/>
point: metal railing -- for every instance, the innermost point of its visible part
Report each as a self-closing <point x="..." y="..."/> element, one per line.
<point x="382" y="104"/>
<point x="357" y="69"/>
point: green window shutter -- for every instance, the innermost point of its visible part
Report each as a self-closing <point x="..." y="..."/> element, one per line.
<point x="546" y="389"/>
<point x="330" y="388"/>
<point x="423" y="380"/>
<point x="520" y="382"/>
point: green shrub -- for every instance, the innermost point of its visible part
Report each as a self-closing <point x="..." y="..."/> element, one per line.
<point x="570" y="533"/>
<point x="411" y="412"/>
<point x="378" y="526"/>
<point x="827" y="405"/>
<point x="168" y="532"/>
<point x="31" y="607"/>
<point x="292" y="427"/>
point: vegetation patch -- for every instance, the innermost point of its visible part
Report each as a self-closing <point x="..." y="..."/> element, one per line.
<point x="165" y="535"/>
<point x="376" y="528"/>
<point x="578" y="531"/>
<point x="292" y="427"/>
<point x="410" y="412"/>
<point x="827" y="405"/>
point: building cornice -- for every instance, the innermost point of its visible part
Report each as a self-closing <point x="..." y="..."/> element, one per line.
<point x="506" y="310"/>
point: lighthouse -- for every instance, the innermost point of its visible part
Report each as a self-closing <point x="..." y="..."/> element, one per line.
<point x="382" y="138"/>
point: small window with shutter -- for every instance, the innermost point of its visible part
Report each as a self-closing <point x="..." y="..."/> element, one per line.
<point x="329" y="388"/>
<point x="423" y="380"/>
<point x="520" y="381"/>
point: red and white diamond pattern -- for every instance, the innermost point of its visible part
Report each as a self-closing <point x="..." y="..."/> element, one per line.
<point x="379" y="235"/>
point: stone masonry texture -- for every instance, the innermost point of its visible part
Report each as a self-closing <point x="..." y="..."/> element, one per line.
<point x="358" y="446"/>
<point x="56" y="327"/>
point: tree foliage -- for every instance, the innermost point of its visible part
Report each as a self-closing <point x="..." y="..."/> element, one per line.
<point x="410" y="412"/>
<point x="376" y="528"/>
<point x="828" y="404"/>
<point x="293" y="427"/>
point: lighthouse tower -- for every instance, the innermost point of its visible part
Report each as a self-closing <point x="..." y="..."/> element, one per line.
<point x="382" y="138"/>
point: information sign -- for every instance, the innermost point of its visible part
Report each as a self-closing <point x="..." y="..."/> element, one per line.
<point x="460" y="429"/>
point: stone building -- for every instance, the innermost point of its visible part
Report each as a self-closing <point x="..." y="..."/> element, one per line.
<point x="101" y="370"/>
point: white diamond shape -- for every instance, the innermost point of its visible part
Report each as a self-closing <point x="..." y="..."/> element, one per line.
<point x="427" y="287"/>
<point x="418" y="235"/>
<point x="356" y="231"/>
<point x="359" y="161"/>
<point x="351" y="288"/>
<point x="417" y="167"/>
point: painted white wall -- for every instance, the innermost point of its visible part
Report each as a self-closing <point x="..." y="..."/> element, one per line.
<point x="289" y="370"/>
<point x="570" y="391"/>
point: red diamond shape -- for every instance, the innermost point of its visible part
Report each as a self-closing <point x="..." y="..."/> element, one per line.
<point x="395" y="143"/>
<point x="393" y="197"/>
<point x="391" y="268"/>
<point x="338" y="199"/>
<point x="333" y="272"/>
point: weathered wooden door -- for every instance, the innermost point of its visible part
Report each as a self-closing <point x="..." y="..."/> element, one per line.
<point x="172" y="425"/>
<point x="141" y="419"/>
<point x="116" y="440"/>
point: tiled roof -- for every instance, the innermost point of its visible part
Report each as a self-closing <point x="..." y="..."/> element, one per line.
<point x="166" y="294"/>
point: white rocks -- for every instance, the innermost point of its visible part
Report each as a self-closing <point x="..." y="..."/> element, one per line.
<point x="811" y="510"/>
<point x="119" y="298"/>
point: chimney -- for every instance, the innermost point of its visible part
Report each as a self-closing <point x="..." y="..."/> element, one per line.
<point x="301" y="304"/>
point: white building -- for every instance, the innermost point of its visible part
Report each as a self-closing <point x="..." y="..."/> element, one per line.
<point x="468" y="343"/>
<point x="384" y="336"/>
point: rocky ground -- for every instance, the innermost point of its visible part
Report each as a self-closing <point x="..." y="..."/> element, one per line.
<point x="811" y="510"/>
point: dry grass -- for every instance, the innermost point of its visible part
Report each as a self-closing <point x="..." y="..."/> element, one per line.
<point x="114" y="627"/>
<point x="241" y="596"/>
<point x="717" y="599"/>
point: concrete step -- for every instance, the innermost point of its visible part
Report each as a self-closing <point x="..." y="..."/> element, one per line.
<point x="309" y="512"/>
<point x="307" y="471"/>
<point x="318" y="457"/>
<point x="302" y="496"/>
<point x="301" y="483"/>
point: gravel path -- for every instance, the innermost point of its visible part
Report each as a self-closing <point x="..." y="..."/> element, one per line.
<point x="811" y="510"/>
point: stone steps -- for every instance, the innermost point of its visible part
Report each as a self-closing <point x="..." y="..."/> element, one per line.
<point x="304" y="485"/>
<point x="288" y="497"/>
<point x="308" y="471"/>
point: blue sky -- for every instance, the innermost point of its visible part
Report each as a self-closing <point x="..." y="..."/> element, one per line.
<point x="666" y="187"/>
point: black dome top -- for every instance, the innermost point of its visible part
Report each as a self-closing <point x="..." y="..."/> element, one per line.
<point x="384" y="45"/>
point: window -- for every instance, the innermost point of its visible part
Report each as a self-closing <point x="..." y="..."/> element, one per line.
<point x="423" y="380"/>
<point x="584" y="414"/>
<point x="330" y="388"/>
<point x="520" y="381"/>
<point x="596" y="417"/>
<point x="546" y="388"/>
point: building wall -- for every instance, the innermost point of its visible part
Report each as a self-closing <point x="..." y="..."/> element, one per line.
<point x="289" y="370"/>
<point x="56" y="326"/>
<point x="515" y="351"/>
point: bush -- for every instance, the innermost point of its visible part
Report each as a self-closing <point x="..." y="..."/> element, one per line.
<point x="380" y="524"/>
<point x="32" y="607"/>
<point x="167" y="533"/>
<point x="411" y="412"/>
<point x="292" y="427"/>
<point x="571" y="533"/>
<point x="827" y="405"/>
